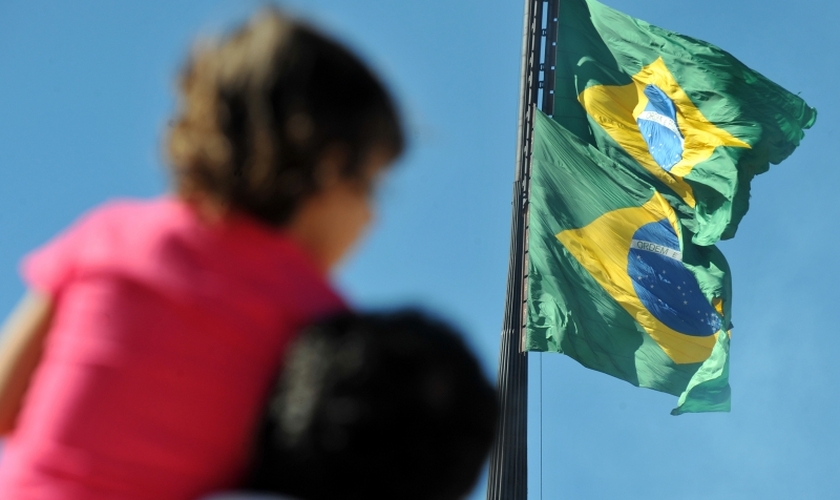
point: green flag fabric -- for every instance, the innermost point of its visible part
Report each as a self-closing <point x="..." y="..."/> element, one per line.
<point x="684" y="112"/>
<point x="614" y="280"/>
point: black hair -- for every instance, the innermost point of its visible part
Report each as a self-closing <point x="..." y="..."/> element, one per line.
<point x="377" y="406"/>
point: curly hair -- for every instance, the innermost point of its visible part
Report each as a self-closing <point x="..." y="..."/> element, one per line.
<point x="261" y="108"/>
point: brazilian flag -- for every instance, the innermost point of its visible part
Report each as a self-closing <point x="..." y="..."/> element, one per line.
<point x="689" y="115"/>
<point x="614" y="280"/>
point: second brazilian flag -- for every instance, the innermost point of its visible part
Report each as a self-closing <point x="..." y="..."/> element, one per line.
<point x="614" y="280"/>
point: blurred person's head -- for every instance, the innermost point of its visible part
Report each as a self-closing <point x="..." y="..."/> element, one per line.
<point x="377" y="406"/>
<point x="280" y="123"/>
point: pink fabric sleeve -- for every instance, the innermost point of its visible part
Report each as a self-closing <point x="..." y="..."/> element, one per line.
<point x="50" y="267"/>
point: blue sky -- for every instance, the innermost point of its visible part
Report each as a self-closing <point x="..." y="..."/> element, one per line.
<point x="86" y="88"/>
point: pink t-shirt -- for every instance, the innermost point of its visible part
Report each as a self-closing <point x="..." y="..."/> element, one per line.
<point x="166" y="339"/>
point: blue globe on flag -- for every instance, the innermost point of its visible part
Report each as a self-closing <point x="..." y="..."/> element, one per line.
<point x="658" y="124"/>
<point x="665" y="286"/>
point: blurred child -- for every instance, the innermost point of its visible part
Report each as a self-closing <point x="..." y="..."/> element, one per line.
<point x="390" y="406"/>
<point x="152" y="330"/>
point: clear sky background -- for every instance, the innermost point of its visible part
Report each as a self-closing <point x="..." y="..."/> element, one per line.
<point x="86" y="88"/>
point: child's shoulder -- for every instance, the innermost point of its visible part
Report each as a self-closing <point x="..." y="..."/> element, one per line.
<point x="123" y="207"/>
<point x="132" y="215"/>
<point x="118" y="227"/>
<point x="116" y="208"/>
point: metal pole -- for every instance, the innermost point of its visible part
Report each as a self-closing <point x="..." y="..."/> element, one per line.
<point x="508" y="477"/>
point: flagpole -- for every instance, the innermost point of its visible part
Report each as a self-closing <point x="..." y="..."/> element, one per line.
<point x="508" y="475"/>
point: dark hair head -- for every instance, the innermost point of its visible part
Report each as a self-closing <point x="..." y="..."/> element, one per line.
<point x="377" y="406"/>
<point x="262" y="108"/>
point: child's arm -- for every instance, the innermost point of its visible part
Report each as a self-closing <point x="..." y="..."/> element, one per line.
<point x="21" y="343"/>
